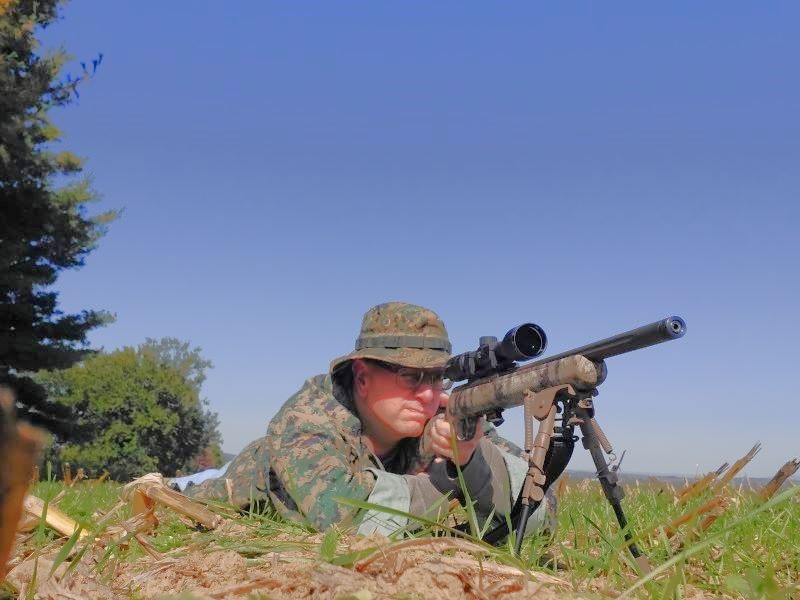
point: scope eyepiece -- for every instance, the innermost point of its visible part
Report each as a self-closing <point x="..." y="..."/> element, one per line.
<point x="522" y="343"/>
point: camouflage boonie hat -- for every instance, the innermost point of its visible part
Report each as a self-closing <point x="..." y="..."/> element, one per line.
<point x="402" y="334"/>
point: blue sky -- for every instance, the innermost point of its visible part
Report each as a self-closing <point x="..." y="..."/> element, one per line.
<point x="588" y="167"/>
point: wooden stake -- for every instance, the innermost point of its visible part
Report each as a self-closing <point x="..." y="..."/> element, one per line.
<point x="55" y="518"/>
<point x="79" y="475"/>
<point x="176" y="501"/>
<point x="27" y="523"/>
<point x="66" y="472"/>
<point x="737" y="466"/>
<point x="141" y="504"/>
<point x="716" y="502"/>
<point x="709" y="520"/>
<point x="20" y="446"/>
<point x="786" y="471"/>
<point x="700" y="485"/>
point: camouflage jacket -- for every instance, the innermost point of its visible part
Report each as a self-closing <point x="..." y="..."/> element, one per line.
<point x="314" y="453"/>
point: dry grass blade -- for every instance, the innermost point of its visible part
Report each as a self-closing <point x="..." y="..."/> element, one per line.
<point x="19" y="447"/>
<point x="148" y="547"/>
<point x="786" y="471"/>
<point x="57" y="498"/>
<point x="137" y="526"/>
<point x="80" y="475"/>
<point x="737" y="466"/>
<point x="161" y="565"/>
<point x="504" y="571"/>
<point x="700" y="485"/>
<point x="265" y="583"/>
<point x="661" y="487"/>
<point x="561" y="489"/>
<point x="507" y="586"/>
<point x="111" y="513"/>
<point x="469" y="582"/>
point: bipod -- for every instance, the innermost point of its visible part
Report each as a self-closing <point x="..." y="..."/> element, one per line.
<point x="596" y="442"/>
<point x="578" y="409"/>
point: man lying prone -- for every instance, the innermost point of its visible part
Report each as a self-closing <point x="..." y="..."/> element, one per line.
<point x="356" y="432"/>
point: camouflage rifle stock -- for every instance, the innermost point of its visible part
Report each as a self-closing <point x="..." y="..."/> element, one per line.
<point x="559" y="389"/>
<point x="489" y="391"/>
<point x="489" y="396"/>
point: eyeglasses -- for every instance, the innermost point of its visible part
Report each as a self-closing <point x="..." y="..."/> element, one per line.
<point x="413" y="379"/>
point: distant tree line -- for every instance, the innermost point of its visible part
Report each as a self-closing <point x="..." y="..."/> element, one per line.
<point x="128" y="411"/>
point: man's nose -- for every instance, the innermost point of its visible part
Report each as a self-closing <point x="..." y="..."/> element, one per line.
<point x="428" y="396"/>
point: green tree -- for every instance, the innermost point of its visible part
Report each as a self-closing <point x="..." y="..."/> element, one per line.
<point x="172" y="352"/>
<point x="134" y="413"/>
<point x="44" y="225"/>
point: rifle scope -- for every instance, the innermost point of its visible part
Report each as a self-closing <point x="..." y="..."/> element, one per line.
<point x="523" y="342"/>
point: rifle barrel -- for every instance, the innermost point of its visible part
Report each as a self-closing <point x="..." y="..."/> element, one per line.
<point x="664" y="330"/>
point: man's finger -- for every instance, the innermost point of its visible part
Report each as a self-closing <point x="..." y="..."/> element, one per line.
<point x="446" y="454"/>
<point x="442" y="428"/>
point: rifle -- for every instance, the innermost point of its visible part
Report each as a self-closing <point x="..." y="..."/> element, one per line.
<point x="558" y="392"/>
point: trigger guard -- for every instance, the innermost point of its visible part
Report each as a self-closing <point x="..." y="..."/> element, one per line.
<point x="465" y="428"/>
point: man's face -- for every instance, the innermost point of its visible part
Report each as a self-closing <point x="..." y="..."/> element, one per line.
<point x="395" y="402"/>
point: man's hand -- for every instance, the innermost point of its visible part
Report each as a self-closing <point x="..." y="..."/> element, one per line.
<point x="439" y="433"/>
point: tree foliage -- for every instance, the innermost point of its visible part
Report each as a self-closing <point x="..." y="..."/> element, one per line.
<point x="172" y="352"/>
<point x="44" y="225"/>
<point x="135" y="412"/>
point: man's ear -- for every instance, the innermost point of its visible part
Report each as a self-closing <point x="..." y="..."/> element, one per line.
<point x="360" y="377"/>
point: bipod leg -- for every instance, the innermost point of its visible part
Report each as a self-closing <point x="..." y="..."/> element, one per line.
<point x="523" y="523"/>
<point x="593" y="437"/>
<point x="542" y="407"/>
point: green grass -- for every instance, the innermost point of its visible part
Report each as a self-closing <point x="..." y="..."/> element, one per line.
<point x="751" y="551"/>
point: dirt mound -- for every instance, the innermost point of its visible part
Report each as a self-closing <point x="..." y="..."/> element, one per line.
<point x="445" y="568"/>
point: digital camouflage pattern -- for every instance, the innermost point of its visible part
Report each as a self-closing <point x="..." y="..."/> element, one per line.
<point x="314" y="450"/>
<point x="403" y="334"/>
<point x="318" y="453"/>
<point x="244" y="481"/>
